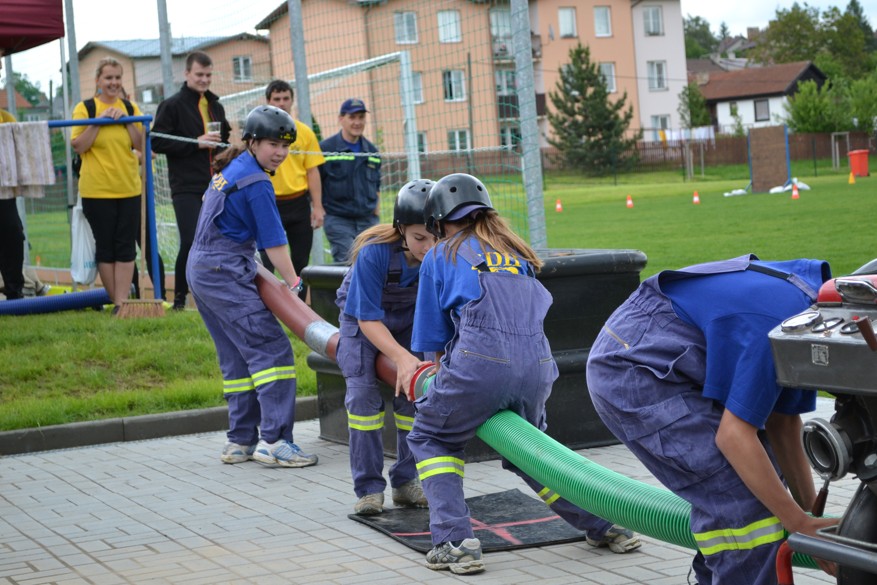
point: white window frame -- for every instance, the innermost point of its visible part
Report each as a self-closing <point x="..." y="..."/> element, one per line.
<point x="454" y="85"/>
<point x="607" y="70"/>
<point x="566" y="22"/>
<point x="242" y="68"/>
<point x="766" y="103"/>
<point x="449" y="26"/>
<point x="507" y="135"/>
<point x="602" y="21"/>
<point x="506" y="81"/>
<point x="501" y="23"/>
<point x="417" y="86"/>
<point x="405" y="27"/>
<point x="657" y="75"/>
<point x="421" y="143"/>
<point x="660" y="122"/>
<point x="653" y="21"/>
<point x="454" y="139"/>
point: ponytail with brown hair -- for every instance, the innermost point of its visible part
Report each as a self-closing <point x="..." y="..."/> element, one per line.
<point x="493" y="230"/>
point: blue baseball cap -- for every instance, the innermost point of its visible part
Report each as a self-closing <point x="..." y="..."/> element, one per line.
<point x="352" y="106"/>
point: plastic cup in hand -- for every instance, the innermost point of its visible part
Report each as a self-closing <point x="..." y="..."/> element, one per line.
<point x="214" y="128"/>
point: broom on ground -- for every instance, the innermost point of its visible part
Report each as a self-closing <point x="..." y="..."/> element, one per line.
<point x="137" y="308"/>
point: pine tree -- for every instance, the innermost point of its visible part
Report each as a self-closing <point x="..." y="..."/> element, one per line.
<point x="589" y="129"/>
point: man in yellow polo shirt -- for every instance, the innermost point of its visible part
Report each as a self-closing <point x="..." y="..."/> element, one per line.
<point x="297" y="184"/>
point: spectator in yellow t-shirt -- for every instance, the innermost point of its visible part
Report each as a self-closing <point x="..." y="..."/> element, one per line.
<point x="109" y="181"/>
<point x="297" y="186"/>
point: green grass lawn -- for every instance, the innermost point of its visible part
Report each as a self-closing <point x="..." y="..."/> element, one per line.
<point x="83" y="365"/>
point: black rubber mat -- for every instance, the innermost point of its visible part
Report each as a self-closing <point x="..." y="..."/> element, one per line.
<point x="502" y="521"/>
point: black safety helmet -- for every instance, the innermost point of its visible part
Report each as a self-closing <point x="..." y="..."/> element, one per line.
<point x="453" y="197"/>
<point x="410" y="202"/>
<point x="269" y="122"/>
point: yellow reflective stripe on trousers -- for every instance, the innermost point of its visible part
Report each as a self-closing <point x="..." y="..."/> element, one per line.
<point x="437" y="465"/>
<point x="549" y="496"/>
<point x="273" y="374"/>
<point x="239" y="385"/>
<point x="365" y="423"/>
<point x="748" y="537"/>
<point x="403" y="423"/>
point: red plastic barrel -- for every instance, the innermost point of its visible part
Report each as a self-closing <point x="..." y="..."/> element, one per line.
<point x="859" y="163"/>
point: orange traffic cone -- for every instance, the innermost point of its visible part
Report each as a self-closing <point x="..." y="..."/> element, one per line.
<point x="558" y="207"/>
<point x="852" y="180"/>
<point x="696" y="199"/>
<point x="795" y="194"/>
<point x="629" y="201"/>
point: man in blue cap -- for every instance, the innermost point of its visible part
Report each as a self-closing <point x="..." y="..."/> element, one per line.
<point x="351" y="179"/>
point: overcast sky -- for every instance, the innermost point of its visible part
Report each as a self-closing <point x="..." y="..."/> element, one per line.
<point x="98" y="20"/>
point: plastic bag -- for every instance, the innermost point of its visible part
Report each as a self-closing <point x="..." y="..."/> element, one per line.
<point x="83" y="267"/>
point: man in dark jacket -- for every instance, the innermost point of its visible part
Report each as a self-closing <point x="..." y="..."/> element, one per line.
<point x="351" y="180"/>
<point x="189" y="114"/>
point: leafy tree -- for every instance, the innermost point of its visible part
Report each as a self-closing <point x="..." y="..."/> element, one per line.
<point x="589" y="129"/>
<point x="692" y="107"/>
<point x="724" y="31"/>
<point x="843" y="39"/>
<point x="854" y="9"/>
<point x="29" y="91"/>
<point x="699" y="40"/>
<point x="862" y="104"/>
<point x="791" y="36"/>
<point x="815" y="109"/>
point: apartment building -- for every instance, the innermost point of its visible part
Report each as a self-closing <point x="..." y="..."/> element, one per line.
<point x="661" y="71"/>
<point x="463" y="61"/>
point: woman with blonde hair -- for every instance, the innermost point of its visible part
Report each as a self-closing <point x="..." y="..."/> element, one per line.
<point x="109" y="180"/>
<point x="480" y="308"/>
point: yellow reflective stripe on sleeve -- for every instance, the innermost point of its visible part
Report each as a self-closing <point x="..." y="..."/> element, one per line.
<point x="748" y="537"/>
<point x="365" y="423"/>
<point x="549" y="496"/>
<point x="333" y="157"/>
<point x="437" y="465"/>
<point x="239" y="385"/>
<point x="273" y="374"/>
<point x="403" y="423"/>
<point x="374" y="159"/>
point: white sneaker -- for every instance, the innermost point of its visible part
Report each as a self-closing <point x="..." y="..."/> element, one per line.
<point x="234" y="453"/>
<point x="283" y="453"/>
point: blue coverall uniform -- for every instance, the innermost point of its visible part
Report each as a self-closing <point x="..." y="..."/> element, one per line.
<point x="498" y="359"/>
<point x="686" y="345"/>
<point x="255" y="356"/>
<point x="356" y="356"/>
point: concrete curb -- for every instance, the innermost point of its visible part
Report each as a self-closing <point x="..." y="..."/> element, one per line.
<point x="133" y="428"/>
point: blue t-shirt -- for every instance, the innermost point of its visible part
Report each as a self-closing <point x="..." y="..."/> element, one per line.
<point x="368" y="279"/>
<point x="736" y="311"/>
<point x="446" y="286"/>
<point x="250" y="213"/>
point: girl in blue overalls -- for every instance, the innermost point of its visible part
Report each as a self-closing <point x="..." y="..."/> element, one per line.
<point x="376" y="299"/>
<point x="258" y="368"/>
<point x="683" y="374"/>
<point x="481" y="309"/>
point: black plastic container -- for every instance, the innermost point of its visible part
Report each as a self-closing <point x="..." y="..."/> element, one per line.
<point x="587" y="285"/>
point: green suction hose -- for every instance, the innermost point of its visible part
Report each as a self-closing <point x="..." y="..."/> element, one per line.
<point x="646" y="509"/>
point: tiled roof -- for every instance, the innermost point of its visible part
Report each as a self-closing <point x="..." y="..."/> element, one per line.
<point x="148" y="48"/>
<point x="758" y="81"/>
<point x="144" y="48"/>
